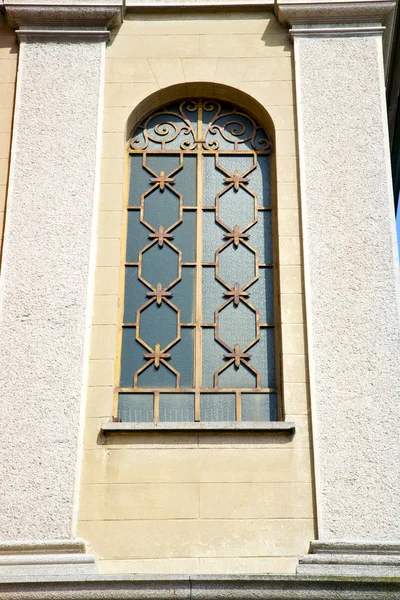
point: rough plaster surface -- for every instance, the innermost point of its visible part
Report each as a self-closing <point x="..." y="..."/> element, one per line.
<point x="351" y="285"/>
<point x="44" y="284"/>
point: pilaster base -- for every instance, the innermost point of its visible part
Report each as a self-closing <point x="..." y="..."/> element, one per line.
<point x="64" y="557"/>
<point x="351" y="559"/>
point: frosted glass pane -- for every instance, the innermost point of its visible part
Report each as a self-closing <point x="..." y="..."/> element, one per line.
<point x="237" y="378"/>
<point x="183" y="294"/>
<point x="176" y="407"/>
<point x="236" y="208"/>
<point x="213" y="294"/>
<point x="213" y="356"/>
<point x="261" y="237"/>
<point x="161" y="208"/>
<point x="182" y="357"/>
<point x="212" y="236"/>
<point x="237" y="265"/>
<point x="135" y="408"/>
<point x="138" y="180"/>
<point x="158" y="163"/>
<point x="135" y="294"/>
<point x="261" y="295"/>
<point x="259" y="407"/>
<point x="213" y="180"/>
<point x="237" y="325"/>
<point x="239" y="163"/>
<point x="137" y="238"/>
<point x="157" y="378"/>
<point x="263" y="357"/>
<point x="186" y="180"/>
<point x="131" y="357"/>
<point x="185" y="236"/>
<point x="260" y="181"/>
<point x="158" y="325"/>
<point x="217" y="407"/>
<point x="160" y="265"/>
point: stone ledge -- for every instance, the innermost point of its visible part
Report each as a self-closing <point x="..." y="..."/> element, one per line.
<point x="199" y="587"/>
<point x="290" y="12"/>
<point x="31" y="559"/>
<point x="221" y="426"/>
<point x="351" y="559"/>
<point x="70" y="35"/>
<point x="197" y="4"/>
<point x="71" y="13"/>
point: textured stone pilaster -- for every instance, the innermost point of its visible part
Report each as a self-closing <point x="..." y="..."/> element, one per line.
<point x="351" y="279"/>
<point x="46" y="278"/>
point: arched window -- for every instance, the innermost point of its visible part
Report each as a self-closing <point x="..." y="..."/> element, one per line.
<point x="196" y="331"/>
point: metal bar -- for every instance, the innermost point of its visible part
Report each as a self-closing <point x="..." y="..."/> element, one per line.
<point x="206" y="152"/>
<point x="175" y="390"/>
<point x="156" y="406"/>
<point x="238" y="406"/>
<point x="197" y="406"/>
<point x="199" y="275"/>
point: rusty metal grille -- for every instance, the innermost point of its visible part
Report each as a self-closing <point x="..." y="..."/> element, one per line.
<point x="197" y="331"/>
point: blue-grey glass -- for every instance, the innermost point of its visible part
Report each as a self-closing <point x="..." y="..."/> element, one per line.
<point x="158" y="324"/>
<point x="259" y="407"/>
<point x="236" y="162"/>
<point x="260" y="181"/>
<point x="212" y="236"/>
<point x="135" y="408"/>
<point x="217" y="407"/>
<point x="186" y="180"/>
<point x="261" y="237"/>
<point x="263" y="357"/>
<point x="161" y="208"/>
<point x="182" y="357"/>
<point x="137" y="236"/>
<point x="261" y="294"/>
<point x="160" y="265"/>
<point x="237" y="325"/>
<point x="237" y="265"/>
<point x="213" y="180"/>
<point x="183" y="294"/>
<point x="131" y="357"/>
<point x="176" y="407"/>
<point x="236" y="208"/>
<point x="135" y="294"/>
<point x="138" y="180"/>
<point x="213" y="294"/>
<point x="185" y="236"/>
<point x="237" y="378"/>
<point x="161" y="162"/>
<point x="157" y="378"/>
<point x="213" y="356"/>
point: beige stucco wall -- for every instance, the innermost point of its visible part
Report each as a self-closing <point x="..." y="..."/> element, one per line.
<point x="197" y="503"/>
<point x="8" y="70"/>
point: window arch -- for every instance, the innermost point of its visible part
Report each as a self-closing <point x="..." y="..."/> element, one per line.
<point x="196" y="325"/>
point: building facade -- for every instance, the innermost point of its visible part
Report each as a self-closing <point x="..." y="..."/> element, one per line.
<point x="199" y="320"/>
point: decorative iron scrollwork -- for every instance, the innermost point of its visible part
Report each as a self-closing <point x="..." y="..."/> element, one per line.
<point x="227" y="124"/>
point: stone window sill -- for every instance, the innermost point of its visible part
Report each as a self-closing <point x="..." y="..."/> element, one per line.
<point x="222" y="426"/>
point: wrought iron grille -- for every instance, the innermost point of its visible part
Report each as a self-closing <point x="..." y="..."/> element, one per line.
<point x="196" y="331"/>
